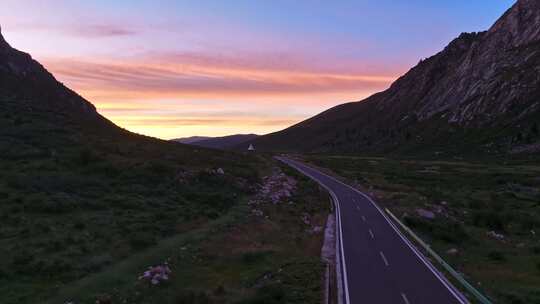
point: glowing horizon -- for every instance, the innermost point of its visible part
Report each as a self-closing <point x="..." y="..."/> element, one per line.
<point x="174" y="69"/>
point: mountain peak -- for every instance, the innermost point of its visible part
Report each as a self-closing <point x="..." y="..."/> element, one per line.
<point x="520" y="25"/>
<point x="3" y="42"/>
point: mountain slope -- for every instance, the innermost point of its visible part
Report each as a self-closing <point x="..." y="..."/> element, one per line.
<point x="481" y="93"/>
<point x="224" y="143"/>
<point x="79" y="194"/>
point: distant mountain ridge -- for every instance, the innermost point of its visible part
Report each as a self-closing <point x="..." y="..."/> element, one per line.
<point x="191" y="139"/>
<point x="482" y="93"/>
<point x="224" y="142"/>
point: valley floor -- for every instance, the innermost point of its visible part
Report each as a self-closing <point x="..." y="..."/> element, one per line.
<point x="483" y="218"/>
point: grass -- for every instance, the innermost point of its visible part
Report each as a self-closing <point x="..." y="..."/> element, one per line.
<point x="79" y="195"/>
<point x="238" y="258"/>
<point x="469" y="199"/>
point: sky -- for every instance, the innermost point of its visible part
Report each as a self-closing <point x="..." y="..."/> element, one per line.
<point x="173" y="69"/>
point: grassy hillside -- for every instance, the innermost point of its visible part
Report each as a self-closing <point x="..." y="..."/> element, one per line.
<point x="79" y="195"/>
<point x="486" y="214"/>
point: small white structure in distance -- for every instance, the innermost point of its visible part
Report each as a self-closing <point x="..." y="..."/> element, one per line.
<point x="251" y="148"/>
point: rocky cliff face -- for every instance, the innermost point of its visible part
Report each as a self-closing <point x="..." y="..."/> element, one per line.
<point x="485" y="75"/>
<point x="484" y="86"/>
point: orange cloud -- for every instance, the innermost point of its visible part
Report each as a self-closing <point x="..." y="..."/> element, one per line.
<point x="186" y="76"/>
<point x="162" y="94"/>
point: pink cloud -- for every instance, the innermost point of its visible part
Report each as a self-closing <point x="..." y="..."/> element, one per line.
<point x="188" y="74"/>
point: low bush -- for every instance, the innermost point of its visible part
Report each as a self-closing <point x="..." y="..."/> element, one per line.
<point x="269" y="294"/>
<point x="142" y="240"/>
<point x="496" y="256"/>
<point x="492" y="220"/>
<point x="192" y="297"/>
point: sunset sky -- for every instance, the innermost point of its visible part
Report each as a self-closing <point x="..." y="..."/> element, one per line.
<point x="179" y="68"/>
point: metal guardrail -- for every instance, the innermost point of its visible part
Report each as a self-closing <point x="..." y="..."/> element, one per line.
<point x="477" y="294"/>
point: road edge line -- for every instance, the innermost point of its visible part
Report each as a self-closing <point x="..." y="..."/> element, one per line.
<point x="343" y="263"/>
<point x="447" y="284"/>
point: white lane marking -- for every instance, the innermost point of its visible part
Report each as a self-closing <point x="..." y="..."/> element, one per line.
<point x="363" y="218"/>
<point x="384" y="258"/>
<point x="404" y="296"/>
<point x="371" y="233"/>
<point x="338" y="212"/>
<point x="432" y="268"/>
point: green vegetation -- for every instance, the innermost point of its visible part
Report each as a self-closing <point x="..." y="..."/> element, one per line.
<point x="79" y="196"/>
<point x="487" y="215"/>
<point x="238" y="258"/>
<point x="87" y="207"/>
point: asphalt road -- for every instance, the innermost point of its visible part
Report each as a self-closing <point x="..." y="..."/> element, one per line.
<point x="378" y="264"/>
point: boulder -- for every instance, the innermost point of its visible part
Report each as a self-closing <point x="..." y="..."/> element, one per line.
<point x="425" y="214"/>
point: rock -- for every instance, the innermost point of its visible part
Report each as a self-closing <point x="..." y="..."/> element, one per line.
<point x="425" y="214"/>
<point x="316" y="229"/>
<point x="444" y="203"/>
<point x="452" y="251"/>
<point x="305" y="219"/>
<point x="257" y="212"/>
<point x="220" y="171"/>
<point x="495" y="235"/>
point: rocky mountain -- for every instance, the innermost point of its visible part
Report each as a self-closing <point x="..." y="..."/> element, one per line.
<point x="481" y="93"/>
<point x="224" y="142"/>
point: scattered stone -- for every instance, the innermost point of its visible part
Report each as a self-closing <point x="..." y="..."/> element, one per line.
<point x="444" y="203"/>
<point x="425" y="213"/>
<point x="495" y="235"/>
<point x="452" y="251"/>
<point x="156" y="274"/>
<point x="257" y="212"/>
<point x="276" y="187"/>
<point x="220" y="171"/>
<point x="533" y="233"/>
<point x="305" y="219"/>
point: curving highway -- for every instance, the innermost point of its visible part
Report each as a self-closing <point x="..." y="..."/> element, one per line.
<point x="377" y="264"/>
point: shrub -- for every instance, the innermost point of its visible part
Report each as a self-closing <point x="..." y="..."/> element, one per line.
<point x="269" y="294"/>
<point x="23" y="258"/>
<point x="192" y="297"/>
<point x="441" y="229"/>
<point x="490" y="219"/>
<point x="497" y="256"/>
<point x="253" y="257"/>
<point x="79" y="225"/>
<point x="142" y="240"/>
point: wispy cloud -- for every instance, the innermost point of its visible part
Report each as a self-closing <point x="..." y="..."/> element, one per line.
<point x="206" y="122"/>
<point x="101" y="30"/>
<point x="80" y="30"/>
<point x="186" y="74"/>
